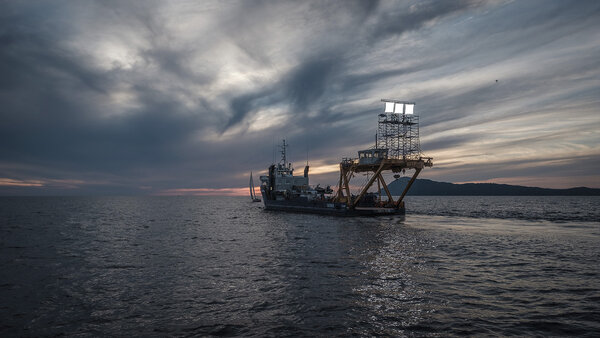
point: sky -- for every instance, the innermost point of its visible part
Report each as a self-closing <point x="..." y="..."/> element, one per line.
<point x="189" y="97"/>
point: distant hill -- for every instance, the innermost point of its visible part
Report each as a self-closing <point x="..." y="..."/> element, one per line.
<point x="425" y="187"/>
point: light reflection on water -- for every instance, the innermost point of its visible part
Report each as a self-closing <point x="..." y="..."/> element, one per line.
<point x="392" y="293"/>
<point x="223" y="266"/>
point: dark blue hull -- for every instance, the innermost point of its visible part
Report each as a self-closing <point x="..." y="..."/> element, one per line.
<point x="328" y="208"/>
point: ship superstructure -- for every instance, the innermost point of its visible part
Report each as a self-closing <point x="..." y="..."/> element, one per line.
<point x="281" y="184"/>
<point x="396" y="150"/>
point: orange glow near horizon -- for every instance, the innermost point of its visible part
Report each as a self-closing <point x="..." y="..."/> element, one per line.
<point x="324" y="169"/>
<point x="205" y="192"/>
<point x="20" y="183"/>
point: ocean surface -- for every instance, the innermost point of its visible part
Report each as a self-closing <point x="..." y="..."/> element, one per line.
<point x="222" y="266"/>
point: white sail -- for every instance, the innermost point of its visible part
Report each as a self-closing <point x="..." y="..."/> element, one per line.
<point x="252" y="192"/>
<point x="252" y="196"/>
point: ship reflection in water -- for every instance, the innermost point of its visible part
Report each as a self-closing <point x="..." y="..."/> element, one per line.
<point x="201" y="266"/>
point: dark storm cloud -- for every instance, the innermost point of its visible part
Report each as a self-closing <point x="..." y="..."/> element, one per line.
<point x="400" y="19"/>
<point x="53" y="99"/>
<point x="301" y="89"/>
<point x="324" y="68"/>
<point x="120" y="95"/>
<point x="309" y="82"/>
<point x="243" y="104"/>
<point x="28" y="59"/>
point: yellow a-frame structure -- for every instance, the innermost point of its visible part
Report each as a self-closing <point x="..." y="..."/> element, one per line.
<point x="376" y="165"/>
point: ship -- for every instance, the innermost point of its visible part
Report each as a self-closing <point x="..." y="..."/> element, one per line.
<point x="396" y="150"/>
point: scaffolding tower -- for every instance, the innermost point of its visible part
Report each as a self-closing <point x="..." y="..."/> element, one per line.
<point x="398" y="130"/>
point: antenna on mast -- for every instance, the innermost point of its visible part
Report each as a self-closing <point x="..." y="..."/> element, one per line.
<point x="283" y="155"/>
<point x="306" y="167"/>
<point x="306" y="153"/>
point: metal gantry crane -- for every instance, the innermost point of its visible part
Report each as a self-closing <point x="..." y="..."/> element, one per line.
<point x="397" y="149"/>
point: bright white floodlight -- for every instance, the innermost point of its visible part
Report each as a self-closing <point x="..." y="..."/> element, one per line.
<point x="389" y="107"/>
<point x="398" y="109"/>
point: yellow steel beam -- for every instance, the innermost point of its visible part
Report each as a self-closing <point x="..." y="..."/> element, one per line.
<point x="340" y="191"/>
<point x="412" y="180"/>
<point x="347" y="186"/>
<point x="369" y="184"/>
<point x="379" y="188"/>
<point x="387" y="191"/>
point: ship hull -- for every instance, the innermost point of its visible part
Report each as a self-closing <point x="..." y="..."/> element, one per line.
<point x="328" y="208"/>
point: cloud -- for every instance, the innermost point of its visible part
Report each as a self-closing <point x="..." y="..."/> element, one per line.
<point x="19" y="183"/>
<point x="183" y="95"/>
<point x="399" y="19"/>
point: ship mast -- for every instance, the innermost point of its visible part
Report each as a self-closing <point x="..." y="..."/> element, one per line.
<point x="283" y="155"/>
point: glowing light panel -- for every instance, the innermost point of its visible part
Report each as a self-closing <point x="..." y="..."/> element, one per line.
<point x="410" y="109"/>
<point x="398" y="109"/>
<point x="389" y="107"/>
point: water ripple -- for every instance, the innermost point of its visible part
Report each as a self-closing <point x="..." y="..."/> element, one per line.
<point x="199" y="266"/>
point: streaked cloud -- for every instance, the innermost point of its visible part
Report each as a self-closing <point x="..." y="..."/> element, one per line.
<point x="155" y="97"/>
<point x="20" y="183"/>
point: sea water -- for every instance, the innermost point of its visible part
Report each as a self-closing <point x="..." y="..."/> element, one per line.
<point x="222" y="266"/>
